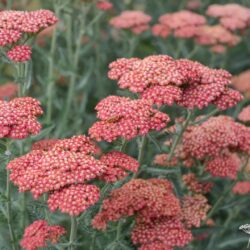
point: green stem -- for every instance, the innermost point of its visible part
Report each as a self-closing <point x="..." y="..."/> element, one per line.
<point x="23" y="211"/>
<point x="178" y="137"/>
<point x="73" y="232"/>
<point x="8" y="205"/>
<point x="212" y="113"/>
<point x="51" y="80"/>
<point x="9" y="4"/>
<point x="73" y="77"/>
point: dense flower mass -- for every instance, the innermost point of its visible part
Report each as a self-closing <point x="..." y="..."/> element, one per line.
<point x="156" y="209"/>
<point x="195" y="210"/>
<point x="244" y="115"/>
<point x="242" y="187"/>
<point x="8" y="91"/>
<point x="104" y="5"/>
<point x="18" y="117"/>
<point x="126" y="118"/>
<point x="241" y="82"/>
<point x="118" y="164"/>
<point x="196" y="186"/>
<point x="169" y="231"/>
<point x="183" y="24"/>
<point x="20" y="53"/>
<point x="232" y="16"/>
<point x="225" y="166"/>
<point x="215" y="135"/>
<point x="57" y="169"/>
<point x="147" y="198"/>
<point x="74" y="199"/>
<point x="216" y="36"/>
<point x="16" y="26"/>
<point x="134" y="20"/>
<point x="39" y="234"/>
<point x="163" y="80"/>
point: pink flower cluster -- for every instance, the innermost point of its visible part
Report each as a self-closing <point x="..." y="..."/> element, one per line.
<point x="39" y="234"/>
<point x="241" y="82"/>
<point x="134" y="20"/>
<point x="232" y="16"/>
<point x="242" y="187"/>
<point x="8" y="90"/>
<point x="104" y="5"/>
<point x="244" y="115"/>
<point x="216" y="36"/>
<point x="16" y="25"/>
<point x="156" y="208"/>
<point x="18" y="117"/>
<point x="61" y="170"/>
<point x="62" y="167"/>
<point x="163" y="80"/>
<point x="183" y="24"/>
<point x="196" y="186"/>
<point x="118" y="164"/>
<point x="126" y="118"/>
<point x="215" y="141"/>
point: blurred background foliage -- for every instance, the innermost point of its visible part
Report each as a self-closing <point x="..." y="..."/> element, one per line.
<point x="69" y="76"/>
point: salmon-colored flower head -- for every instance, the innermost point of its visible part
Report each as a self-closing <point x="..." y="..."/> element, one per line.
<point x="134" y="20"/>
<point x="171" y="232"/>
<point x="216" y="36"/>
<point x="242" y="187"/>
<point x="196" y="186"/>
<point x="232" y="16"/>
<point x="194" y="210"/>
<point x="118" y="166"/>
<point x="8" y="90"/>
<point x="62" y="169"/>
<point x="215" y="135"/>
<point x="182" y="24"/>
<point x="146" y="199"/>
<point x="163" y="80"/>
<point x="126" y="118"/>
<point x="242" y="82"/>
<point x="104" y="5"/>
<point x="18" y="117"/>
<point x="244" y="115"/>
<point x="17" y="26"/>
<point x="39" y="234"/>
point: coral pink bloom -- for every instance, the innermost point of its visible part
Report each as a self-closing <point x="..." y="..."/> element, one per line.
<point x="74" y="199"/>
<point x="242" y="83"/>
<point x="194" y="210"/>
<point x="244" y="115"/>
<point x="183" y="23"/>
<point x="169" y="231"/>
<point x="232" y="16"/>
<point x="216" y="35"/>
<point x="8" y="90"/>
<point x="20" y="53"/>
<point x="196" y="186"/>
<point x="163" y="80"/>
<point x="161" y="30"/>
<point x="39" y="234"/>
<point x="68" y="162"/>
<point x="155" y="246"/>
<point x="126" y="118"/>
<point x="104" y="5"/>
<point x="242" y="187"/>
<point x="118" y="165"/>
<point x="146" y="199"/>
<point x="225" y="166"/>
<point x="9" y="36"/>
<point x="45" y="144"/>
<point x="134" y="20"/>
<point x="18" y="117"/>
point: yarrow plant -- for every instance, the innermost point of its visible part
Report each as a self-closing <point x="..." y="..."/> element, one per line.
<point x="164" y="163"/>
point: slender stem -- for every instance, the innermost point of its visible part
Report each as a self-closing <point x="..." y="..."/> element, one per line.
<point x="212" y="113"/>
<point x="73" y="232"/>
<point x="9" y="4"/>
<point x="178" y="137"/>
<point x="72" y="81"/>
<point x="51" y="80"/>
<point x="23" y="211"/>
<point x="8" y="204"/>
